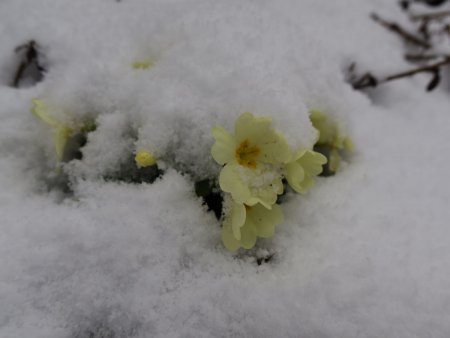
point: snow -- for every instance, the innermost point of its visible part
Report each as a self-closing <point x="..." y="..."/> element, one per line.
<point x="364" y="254"/>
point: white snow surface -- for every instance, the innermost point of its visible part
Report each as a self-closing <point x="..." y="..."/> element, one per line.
<point x="365" y="254"/>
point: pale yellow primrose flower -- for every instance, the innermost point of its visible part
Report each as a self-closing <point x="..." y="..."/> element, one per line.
<point x="144" y="159"/>
<point x="61" y="131"/>
<point x="300" y="172"/>
<point x="245" y="223"/>
<point x="254" y="141"/>
<point x="252" y="157"/>
<point x="331" y="135"/>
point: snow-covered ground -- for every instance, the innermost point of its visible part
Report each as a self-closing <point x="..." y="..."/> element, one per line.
<point x="364" y="254"/>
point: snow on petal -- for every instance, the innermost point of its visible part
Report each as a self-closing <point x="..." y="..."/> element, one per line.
<point x="230" y="181"/>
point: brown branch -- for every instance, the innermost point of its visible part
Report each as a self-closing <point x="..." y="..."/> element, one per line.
<point x="368" y="80"/>
<point x="431" y="16"/>
<point x="428" y="68"/>
<point x="397" y="29"/>
<point x="423" y="57"/>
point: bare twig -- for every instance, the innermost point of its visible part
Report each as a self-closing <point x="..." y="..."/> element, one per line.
<point x="435" y="80"/>
<point x="368" y="80"/>
<point x="428" y="68"/>
<point x="423" y="57"/>
<point x="395" y="28"/>
<point x="431" y="16"/>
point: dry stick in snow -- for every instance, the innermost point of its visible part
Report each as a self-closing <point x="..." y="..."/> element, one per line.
<point x="428" y="68"/>
<point x="368" y="80"/>
<point x="431" y="16"/>
<point x="423" y="57"/>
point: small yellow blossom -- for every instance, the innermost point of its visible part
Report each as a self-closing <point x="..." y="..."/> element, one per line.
<point x="300" y="172"/>
<point x="146" y="64"/>
<point x="330" y="135"/>
<point x="253" y="157"/>
<point x="254" y="142"/>
<point x="246" y="223"/>
<point x="145" y="159"/>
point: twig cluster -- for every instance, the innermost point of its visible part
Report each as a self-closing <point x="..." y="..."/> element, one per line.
<point x="426" y="60"/>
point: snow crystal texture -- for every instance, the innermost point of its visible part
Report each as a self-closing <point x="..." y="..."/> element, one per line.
<point x="364" y="254"/>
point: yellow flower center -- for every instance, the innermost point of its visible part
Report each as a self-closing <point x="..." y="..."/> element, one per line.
<point x="246" y="154"/>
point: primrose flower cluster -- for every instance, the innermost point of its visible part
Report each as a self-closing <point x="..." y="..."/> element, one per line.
<point x="256" y="159"/>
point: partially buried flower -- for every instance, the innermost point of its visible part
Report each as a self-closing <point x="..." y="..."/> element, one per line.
<point x="146" y="64"/>
<point x="245" y="223"/>
<point x="253" y="157"/>
<point x="144" y="159"/>
<point x="331" y="139"/>
<point x="62" y="132"/>
<point x="300" y="172"/>
<point x="69" y="136"/>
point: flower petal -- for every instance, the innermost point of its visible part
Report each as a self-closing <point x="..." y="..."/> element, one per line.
<point x="274" y="149"/>
<point x="40" y="110"/>
<point x="267" y="197"/>
<point x="295" y="175"/>
<point x="327" y="130"/>
<point x="248" y="126"/>
<point x="229" y="241"/>
<point x="62" y="134"/>
<point x="307" y="184"/>
<point x="255" y="200"/>
<point x="248" y="235"/>
<point x="260" y="133"/>
<point x="265" y="220"/>
<point x="348" y="144"/>
<point x="223" y="150"/>
<point x="238" y="214"/>
<point x="312" y="162"/>
<point x="230" y="181"/>
<point x="335" y="160"/>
